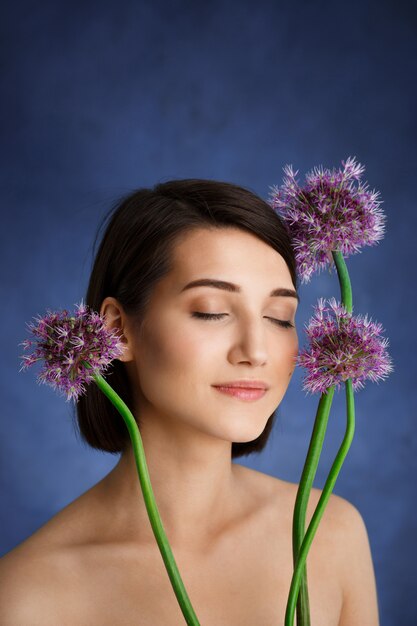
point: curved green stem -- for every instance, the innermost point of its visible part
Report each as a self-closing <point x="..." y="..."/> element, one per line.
<point x="309" y="471"/>
<point x="318" y="513"/>
<point x="344" y="280"/>
<point x="150" y="503"/>
<point x="303" y="493"/>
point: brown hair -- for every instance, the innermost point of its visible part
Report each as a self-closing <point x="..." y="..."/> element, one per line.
<point x="135" y="253"/>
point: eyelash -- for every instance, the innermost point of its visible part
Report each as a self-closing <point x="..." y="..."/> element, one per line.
<point x="210" y="316"/>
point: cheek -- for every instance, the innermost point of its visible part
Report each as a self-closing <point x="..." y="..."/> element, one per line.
<point x="284" y="367"/>
<point x="292" y="347"/>
<point x="286" y="358"/>
<point x="173" y="369"/>
<point x="173" y="354"/>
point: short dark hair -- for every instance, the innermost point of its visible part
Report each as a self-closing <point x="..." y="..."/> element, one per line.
<point x="136" y="252"/>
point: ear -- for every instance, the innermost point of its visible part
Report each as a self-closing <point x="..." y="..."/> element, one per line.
<point x="116" y="320"/>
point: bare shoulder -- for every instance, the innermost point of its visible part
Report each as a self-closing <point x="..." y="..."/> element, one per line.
<point x="354" y="558"/>
<point x="35" y="574"/>
<point x="343" y="536"/>
<point x="27" y="586"/>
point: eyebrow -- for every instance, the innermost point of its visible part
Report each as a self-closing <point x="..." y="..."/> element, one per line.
<point x="226" y="286"/>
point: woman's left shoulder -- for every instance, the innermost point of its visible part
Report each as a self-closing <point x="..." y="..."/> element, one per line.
<point x="340" y="515"/>
<point x="354" y="561"/>
<point x="342" y="535"/>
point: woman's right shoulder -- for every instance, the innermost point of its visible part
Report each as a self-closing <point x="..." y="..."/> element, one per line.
<point x="28" y="590"/>
<point x="35" y="574"/>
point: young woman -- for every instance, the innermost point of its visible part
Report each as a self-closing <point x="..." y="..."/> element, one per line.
<point x="199" y="279"/>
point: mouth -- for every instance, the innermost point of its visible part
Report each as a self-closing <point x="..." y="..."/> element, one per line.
<point x="248" y="394"/>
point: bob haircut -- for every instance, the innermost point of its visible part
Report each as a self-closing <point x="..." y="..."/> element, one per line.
<point x="135" y="253"/>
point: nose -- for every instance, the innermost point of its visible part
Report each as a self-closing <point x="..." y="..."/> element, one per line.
<point x="250" y="343"/>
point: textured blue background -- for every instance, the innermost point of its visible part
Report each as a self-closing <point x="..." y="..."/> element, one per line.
<point x="100" y="98"/>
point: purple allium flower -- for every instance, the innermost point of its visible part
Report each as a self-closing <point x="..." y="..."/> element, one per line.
<point x="65" y="343"/>
<point x="342" y="346"/>
<point x="333" y="211"/>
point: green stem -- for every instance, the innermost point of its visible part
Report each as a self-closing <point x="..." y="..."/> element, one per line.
<point x="318" y="513"/>
<point x="303" y="493"/>
<point x="300" y="587"/>
<point x="154" y="517"/>
<point x="344" y="280"/>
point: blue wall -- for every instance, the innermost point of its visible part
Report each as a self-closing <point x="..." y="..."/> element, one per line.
<point x="102" y="97"/>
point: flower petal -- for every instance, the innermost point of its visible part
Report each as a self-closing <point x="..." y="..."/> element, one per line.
<point x="72" y="348"/>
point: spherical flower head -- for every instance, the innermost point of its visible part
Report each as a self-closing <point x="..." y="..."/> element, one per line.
<point x="333" y="211"/>
<point x="342" y="346"/>
<point x="73" y="349"/>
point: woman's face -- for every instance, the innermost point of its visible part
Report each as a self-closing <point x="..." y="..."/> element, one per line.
<point x="179" y="357"/>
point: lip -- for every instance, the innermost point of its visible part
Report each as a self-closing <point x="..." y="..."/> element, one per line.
<point x="249" y="394"/>
<point x="248" y="390"/>
<point x="244" y="384"/>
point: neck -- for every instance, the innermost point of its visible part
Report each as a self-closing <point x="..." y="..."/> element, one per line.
<point x="194" y="483"/>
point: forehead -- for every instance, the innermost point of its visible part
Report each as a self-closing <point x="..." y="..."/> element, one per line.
<point x="228" y="253"/>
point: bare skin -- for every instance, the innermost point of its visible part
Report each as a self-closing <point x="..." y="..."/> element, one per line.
<point x="77" y="569"/>
<point x="97" y="561"/>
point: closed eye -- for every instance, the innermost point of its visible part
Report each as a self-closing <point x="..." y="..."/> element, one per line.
<point x="212" y="316"/>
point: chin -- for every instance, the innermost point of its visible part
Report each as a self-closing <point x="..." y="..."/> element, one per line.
<point x="241" y="435"/>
